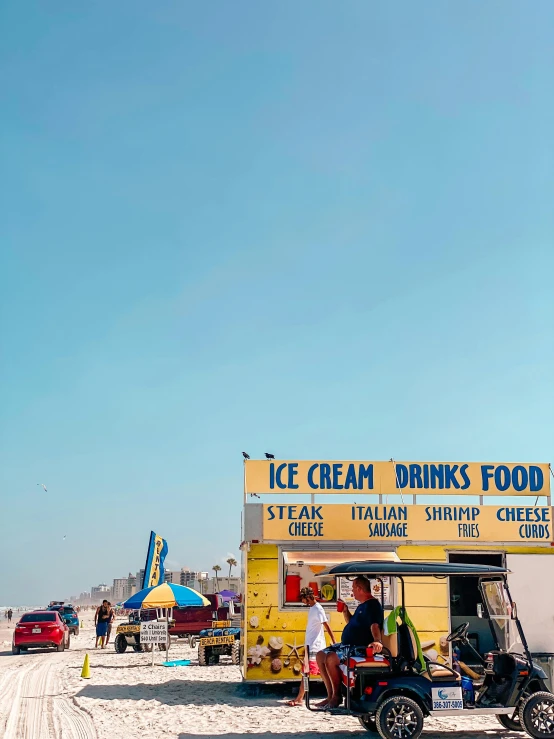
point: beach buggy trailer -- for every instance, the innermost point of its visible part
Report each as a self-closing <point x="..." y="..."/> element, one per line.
<point x="391" y="693"/>
<point x="222" y="638"/>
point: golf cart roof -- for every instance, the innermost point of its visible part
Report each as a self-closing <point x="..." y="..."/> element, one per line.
<point x="375" y="568"/>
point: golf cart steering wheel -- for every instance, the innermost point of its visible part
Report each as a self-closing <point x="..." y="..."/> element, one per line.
<point x="459" y="633"/>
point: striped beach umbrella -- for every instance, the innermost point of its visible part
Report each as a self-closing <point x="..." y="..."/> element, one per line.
<point x="166" y="595"/>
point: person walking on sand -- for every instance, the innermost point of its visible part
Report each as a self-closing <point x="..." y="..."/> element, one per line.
<point x="10" y="614"/>
<point x="110" y="622"/>
<point x="101" y="620"/>
<point x="314" y="641"/>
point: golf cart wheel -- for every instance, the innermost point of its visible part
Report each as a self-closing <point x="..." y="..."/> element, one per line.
<point x="537" y="715"/>
<point x="120" y="644"/>
<point x="235" y="653"/>
<point x="399" y="717"/>
<point x="368" y="722"/>
<point x="512" y="723"/>
<point x="202" y="656"/>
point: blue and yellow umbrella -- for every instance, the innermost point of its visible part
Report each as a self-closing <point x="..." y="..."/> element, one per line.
<point x="166" y="595"/>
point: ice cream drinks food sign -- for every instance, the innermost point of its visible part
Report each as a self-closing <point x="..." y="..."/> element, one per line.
<point x="430" y="478"/>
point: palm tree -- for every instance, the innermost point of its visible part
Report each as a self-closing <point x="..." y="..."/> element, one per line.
<point x="232" y="562"/>
<point x="216" y="569"/>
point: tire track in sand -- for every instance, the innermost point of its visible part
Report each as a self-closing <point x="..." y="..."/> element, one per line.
<point x="30" y="698"/>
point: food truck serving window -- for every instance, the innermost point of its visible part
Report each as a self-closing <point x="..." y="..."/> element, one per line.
<point x="301" y="569"/>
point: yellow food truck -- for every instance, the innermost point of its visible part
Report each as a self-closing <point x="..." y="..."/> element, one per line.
<point x="482" y="513"/>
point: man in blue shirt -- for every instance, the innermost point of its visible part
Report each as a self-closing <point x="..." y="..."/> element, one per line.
<point x="363" y="628"/>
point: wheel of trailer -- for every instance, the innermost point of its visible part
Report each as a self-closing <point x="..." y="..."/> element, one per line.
<point x="202" y="656"/>
<point x="120" y="643"/>
<point x="368" y="722"/>
<point x="512" y="723"/>
<point x="399" y="717"/>
<point x="235" y="653"/>
<point x="537" y="715"/>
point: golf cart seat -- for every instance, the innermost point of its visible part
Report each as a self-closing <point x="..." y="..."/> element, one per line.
<point x="390" y="643"/>
<point x="437" y="673"/>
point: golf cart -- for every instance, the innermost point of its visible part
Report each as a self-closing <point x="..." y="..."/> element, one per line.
<point x="391" y="693"/>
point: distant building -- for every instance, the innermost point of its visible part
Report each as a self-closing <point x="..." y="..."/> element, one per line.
<point x="223" y="583"/>
<point x="123" y="588"/>
<point x="186" y="576"/>
<point x="139" y="579"/>
<point x="120" y="589"/>
<point x="99" y="593"/>
<point x="195" y="580"/>
<point x="131" y="585"/>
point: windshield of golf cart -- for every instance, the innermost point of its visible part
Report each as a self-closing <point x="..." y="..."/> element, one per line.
<point x="499" y="609"/>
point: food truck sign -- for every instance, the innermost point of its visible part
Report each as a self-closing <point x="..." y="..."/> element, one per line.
<point x="401" y="523"/>
<point x="421" y="478"/>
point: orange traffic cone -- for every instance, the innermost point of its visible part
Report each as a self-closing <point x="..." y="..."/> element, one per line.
<point x="86" y="668"/>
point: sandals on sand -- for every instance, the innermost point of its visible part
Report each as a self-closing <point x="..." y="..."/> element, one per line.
<point x="328" y="707"/>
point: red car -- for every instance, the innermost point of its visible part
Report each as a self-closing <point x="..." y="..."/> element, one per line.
<point x="40" y="629"/>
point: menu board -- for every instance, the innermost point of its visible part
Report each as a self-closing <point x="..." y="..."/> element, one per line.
<point x="345" y="592"/>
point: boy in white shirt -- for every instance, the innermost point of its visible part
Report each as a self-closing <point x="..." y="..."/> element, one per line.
<point x="314" y="639"/>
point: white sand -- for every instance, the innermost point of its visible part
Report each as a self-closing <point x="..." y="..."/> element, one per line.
<point x="42" y="696"/>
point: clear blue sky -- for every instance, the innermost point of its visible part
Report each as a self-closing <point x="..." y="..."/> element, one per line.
<point x="323" y="230"/>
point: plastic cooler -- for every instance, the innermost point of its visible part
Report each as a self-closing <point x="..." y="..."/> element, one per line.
<point x="292" y="588"/>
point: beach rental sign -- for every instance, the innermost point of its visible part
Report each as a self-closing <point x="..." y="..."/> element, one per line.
<point x="154" y="569"/>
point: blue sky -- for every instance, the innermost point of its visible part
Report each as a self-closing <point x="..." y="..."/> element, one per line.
<point x="320" y="231"/>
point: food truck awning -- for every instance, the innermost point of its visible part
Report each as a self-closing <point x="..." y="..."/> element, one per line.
<point x="372" y="568"/>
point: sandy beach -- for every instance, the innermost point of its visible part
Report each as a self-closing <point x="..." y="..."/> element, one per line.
<point x="42" y="696"/>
